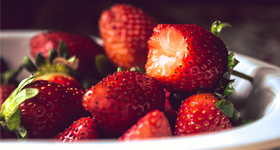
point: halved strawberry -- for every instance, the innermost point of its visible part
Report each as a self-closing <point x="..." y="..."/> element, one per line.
<point x="152" y="125"/>
<point x="120" y="99"/>
<point x="85" y="128"/>
<point x="186" y="57"/>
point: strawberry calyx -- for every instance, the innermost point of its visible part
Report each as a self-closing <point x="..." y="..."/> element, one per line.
<point x="131" y="69"/>
<point x="58" y="62"/>
<point x="216" y="29"/>
<point x="225" y="89"/>
<point x="227" y="108"/>
<point x="10" y="114"/>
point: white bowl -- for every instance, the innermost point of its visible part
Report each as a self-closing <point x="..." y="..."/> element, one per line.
<point x="258" y="100"/>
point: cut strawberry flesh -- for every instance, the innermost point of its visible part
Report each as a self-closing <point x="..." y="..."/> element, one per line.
<point x="168" y="49"/>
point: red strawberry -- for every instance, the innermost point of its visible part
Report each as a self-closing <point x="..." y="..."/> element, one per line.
<point x="199" y="114"/>
<point x="5" y="91"/>
<point x="61" y="78"/>
<point x="79" y="45"/>
<point x="84" y="128"/>
<point x="169" y="111"/>
<point x="152" y="125"/>
<point x="41" y="108"/>
<point x="125" y="30"/>
<point x="186" y="58"/>
<point x="58" y="69"/>
<point x="120" y="99"/>
<point x="5" y="134"/>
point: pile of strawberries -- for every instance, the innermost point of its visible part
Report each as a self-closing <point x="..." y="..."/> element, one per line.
<point x="149" y="80"/>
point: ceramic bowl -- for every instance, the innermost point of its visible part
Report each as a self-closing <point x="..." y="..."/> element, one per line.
<point x="258" y="100"/>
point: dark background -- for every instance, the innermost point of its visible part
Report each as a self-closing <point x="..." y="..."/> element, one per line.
<point x="255" y="24"/>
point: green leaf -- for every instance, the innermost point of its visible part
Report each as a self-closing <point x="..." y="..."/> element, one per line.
<point x="241" y="121"/>
<point x="21" y="85"/>
<point x="134" y="69"/>
<point x="229" y="89"/>
<point x="17" y="100"/>
<point x="120" y="69"/>
<point x="225" y="107"/>
<point x="103" y="65"/>
<point x="235" y="116"/>
<point x="41" y="61"/>
<point x="9" y="114"/>
<point x="52" y="55"/>
<point x="13" y="121"/>
<point x="21" y="133"/>
<point x="220" y="96"/>
<point x="232" y="62"/>
<point x="63" y="50"/>
<point x="138" y="69"/>
<point x="29" y="65"/>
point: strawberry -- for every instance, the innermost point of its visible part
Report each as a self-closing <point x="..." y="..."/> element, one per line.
<point x="84" y="128"/>
<point x="41" y="109"/>
<point x="120" y="99"/>
<point x="125" y="30"/>
<point x="57" y="69"/>
<point x="169" y="111"/>
<point x="152" y="125"/>
<point x="186" y="57"/>
<point x="82" y="46"/>
<point x="5" y="91"/>
<point x="199" y="114"/>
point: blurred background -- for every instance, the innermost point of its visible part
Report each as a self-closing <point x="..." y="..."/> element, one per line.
<point x="255" y="27"/>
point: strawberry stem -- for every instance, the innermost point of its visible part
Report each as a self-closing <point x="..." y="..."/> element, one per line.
<point x="242" y="75"/>
<point x="217" y="27"/>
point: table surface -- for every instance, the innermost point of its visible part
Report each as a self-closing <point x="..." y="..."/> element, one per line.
<point x="255" y="27"/>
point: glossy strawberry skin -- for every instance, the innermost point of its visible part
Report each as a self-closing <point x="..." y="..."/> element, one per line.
<point x="52" y="110"/>
<point x="186" y="58"/>
<point x="152" y="125"/>
<point x="60" y="78"/>
<point x="125" y="30"/>
<point x="84" y="128"/>
<point x="81" y="46"/>
<point x="169" y="111"/>
<point x="5" y="91"/>
<point x="120" y="99"/>
<point x="198" y="114"/>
